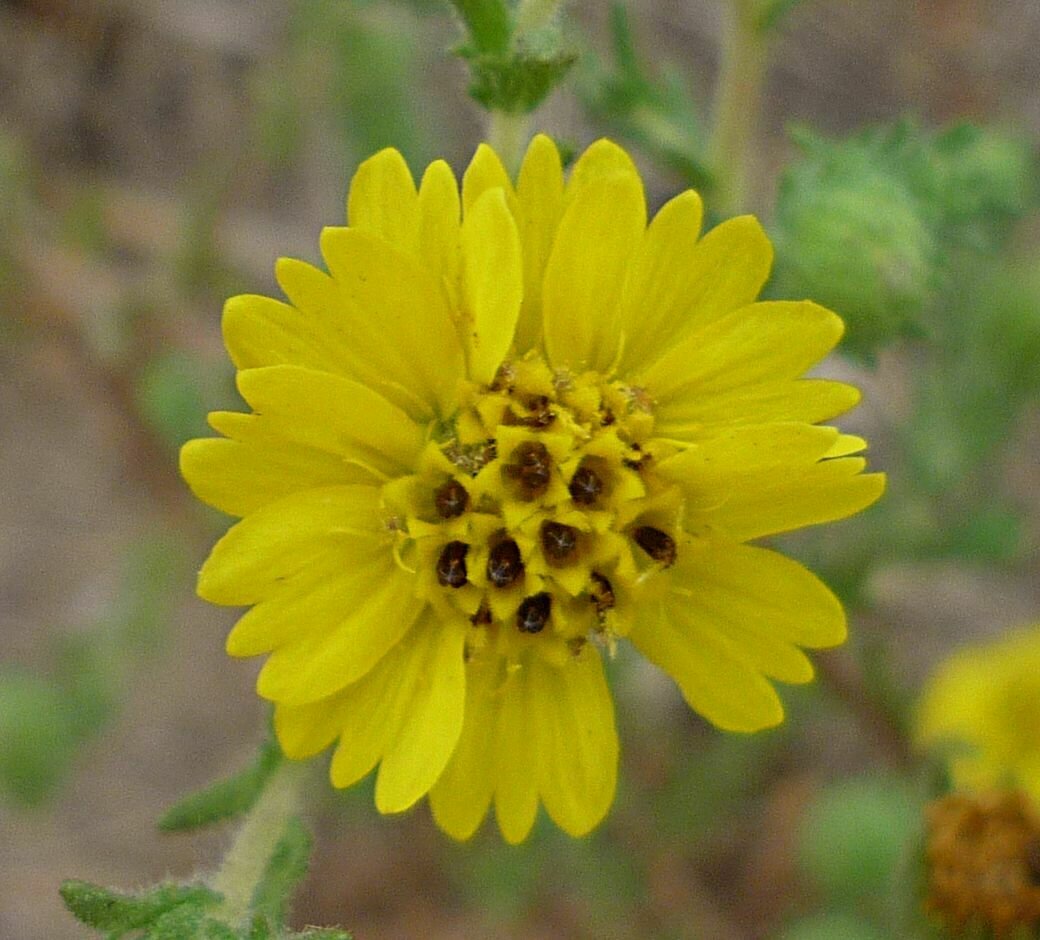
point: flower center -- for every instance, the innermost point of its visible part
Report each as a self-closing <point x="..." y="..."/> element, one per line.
<point x="536" y="512"/>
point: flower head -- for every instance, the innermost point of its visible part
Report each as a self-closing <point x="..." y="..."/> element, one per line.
<point x="983" y="863"/>
<point x="987" y="697"/>
<point x="509" y="427"/>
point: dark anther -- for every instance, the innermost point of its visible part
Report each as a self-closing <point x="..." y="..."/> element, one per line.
<point x="585" y="486"/>
<point x="607" y="418"/>
<point x="601" y="593"/>
<point x="637" y="462"/>
<point x="531" y="466"/>
<point x="533" y="613"/>
<point x="1032" y="859"/>
<point x="482" y="617"/>
<point x="539" y="416"/>
<point x="559" y="541"/>
<point x="451" y="566"/>
<point x="451" y="499"/>
<point x="504" y="564"/>
<point x="660" y="546"/>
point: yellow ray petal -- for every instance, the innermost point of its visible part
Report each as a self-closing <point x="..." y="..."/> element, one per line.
<point x="406" y="712"/>
<point x="763" y="342"/>
<point x="383" y="200"/>
<point x="304" y="730"/>
<point x="415" y="337"/>
<point x="485" y="171"/>
<point x="462" y="794"/>
<point x="725" y="690"/>
<point x="763" y="589"/>
<point x="597" y="235"/>
<point x="333" y="414"/>
<point x="539" y="192"/>
<point x="755" y="481"/>
<point x="430" y="719"/>
<point x="350" y="338"/>
<point x="600" y="160"/>
<point x="753" y="643"/>
<point x="492" y="283"/>
<point x="238" y="478"/>
<point x="730" y="267"/>
<point x="688" y="418"/>
<point x="516" y="754"/>
<point x="664" y="281"/>
<point x="577" y="764"/>
<point x="260" y="331"/>
<point x="367" y="617"/>
<point x="312" y="599"/>
<point x="825" y="492"/>
<point x="845" y="445"/>
<point x="440" y="220"/>
<point x="710" y="471"/>
<point x="281" y="538"/>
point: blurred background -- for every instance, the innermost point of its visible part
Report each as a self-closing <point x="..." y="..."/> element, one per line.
<point x="158" y="155"/>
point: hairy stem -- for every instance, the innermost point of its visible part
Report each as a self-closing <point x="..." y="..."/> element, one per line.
<point x="534" y="14"/>
<point x="507" y="134"/>
<point x="254" y="843"/>
<point x="738" y="101"/>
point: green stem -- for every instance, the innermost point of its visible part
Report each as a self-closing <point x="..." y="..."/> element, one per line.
<point x="534" y="14"/>
<point x="247" y="858"/>
<point x="737" y="103"/>
<point x="507" y="134"/>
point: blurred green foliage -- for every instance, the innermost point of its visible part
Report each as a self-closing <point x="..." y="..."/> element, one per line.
<point x="854" y="836"/>
<point x="650" y="107"/>
<point x="174" y="393"/>
<point x="355" y="64"/>
<point x="877" y="226"/>
<point x="833" y="927"/>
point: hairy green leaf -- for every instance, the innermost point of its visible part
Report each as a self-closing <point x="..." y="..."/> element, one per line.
<point x="120" y="913"/>
<point x="226" y="798"/>
<point x="515" y="82"/>
<point x="190" y="922"/>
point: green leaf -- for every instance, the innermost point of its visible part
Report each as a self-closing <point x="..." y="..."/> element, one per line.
<point x="515" y="82"/>
<point x="488" y="23"/>
<point x="190" y="922"/>
<point x="286" y="868"/>
<point x="120" y="913"/>
<point x="226" y="798"/>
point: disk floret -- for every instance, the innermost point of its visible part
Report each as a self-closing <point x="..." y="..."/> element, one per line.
<point x="537" y="513"/>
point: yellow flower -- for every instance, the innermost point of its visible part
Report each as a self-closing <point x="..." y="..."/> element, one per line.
<point x="988" y="698"/>
<point x="508" y="427"/>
